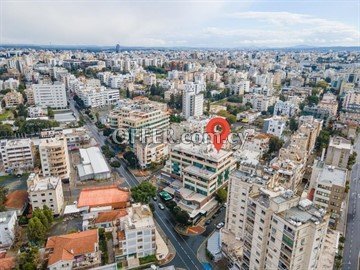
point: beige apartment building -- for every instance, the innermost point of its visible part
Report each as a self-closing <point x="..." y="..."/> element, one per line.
<point x="54" y="157"/>
<point x="330" y="103"/>
<point x="139" y="117"/>
<point x="13" y="99"/>
<point x="151" y="153"/>
<point x="46" y="191"/>
<point x="271" y="228"/>
<point x="338" y="152"/>
<point x="328" y="184"/>
<point x="17" y="155"/>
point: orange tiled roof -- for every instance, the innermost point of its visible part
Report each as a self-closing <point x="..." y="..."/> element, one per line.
<point x="7" y="263"/>
<point x="110" y="215"/>
<point x="16" y="199"/>
<point x="66" y="247"/>
<point x="103" y="196"/>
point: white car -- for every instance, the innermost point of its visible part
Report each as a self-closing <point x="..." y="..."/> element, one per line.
<point x="220" y="225"/>
<point x="161" y="206"/>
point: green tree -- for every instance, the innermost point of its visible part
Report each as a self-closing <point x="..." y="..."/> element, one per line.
<point x="182" y="217"/>
<point x="36" y="231"/>
<point x="115" y="164"/>
<point x="275" y="144"/>
<point x="143" y="192"/>
<point x="230" y="117"/>
<point x="221" y="195"/>
<point x="3" y="193"/>
<point x="131" y="159"/>
<point x="6" y="131"/>
<point x="42" y="217"/>
<point x="322" y="84"/>
<point x="322" y="141"/>
<point x="352" y="160"/>
<point x="22" y="111"/>
<point x="293" y="124"/>
<point x="50" y="113"/>
<point x="28" y="260"/>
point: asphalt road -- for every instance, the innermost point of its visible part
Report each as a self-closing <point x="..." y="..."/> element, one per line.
<point x="186" y="247"/>
<point x="352" y="242"/>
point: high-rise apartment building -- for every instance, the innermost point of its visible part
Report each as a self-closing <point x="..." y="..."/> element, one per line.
<point x="338" y="152"/>
<point x="193" y="100"/>
<point x="50" y="95"/>
<point x="54" y="157"/>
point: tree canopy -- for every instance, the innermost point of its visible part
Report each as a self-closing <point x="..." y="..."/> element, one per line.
<point x="143" y="192"/>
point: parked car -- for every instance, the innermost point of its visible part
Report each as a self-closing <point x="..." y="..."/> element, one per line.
<point x="220" y="225"/>
<point x="208" y="222"/>
<point x="161" y="206"/>
<point x="154" y="198"/>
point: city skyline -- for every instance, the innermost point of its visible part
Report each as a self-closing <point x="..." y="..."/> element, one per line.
<point x="217" y="24"/>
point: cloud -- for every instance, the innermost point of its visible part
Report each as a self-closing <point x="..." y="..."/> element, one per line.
<point x="165" y="23"/>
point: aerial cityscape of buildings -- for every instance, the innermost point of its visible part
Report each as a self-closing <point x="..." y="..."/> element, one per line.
<point x="110" y="155"/>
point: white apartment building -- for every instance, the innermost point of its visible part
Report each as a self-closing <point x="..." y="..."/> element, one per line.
<point x="284" y="108"/>
<point x="137" y="234"/>
<point x="8" y="221"/>
<point x="50" y="95"/>
<point x="259" y="102"/>
<point x="98" y="96"/>
<point x="46" y="191"/>
<point x="17" y="155"/>
<point x="239" y="88"/>
<point x="35" y="112"/>
<point x="274" y="126"/>
<point x="54" y="157"/>
<point x="193" y="100"/>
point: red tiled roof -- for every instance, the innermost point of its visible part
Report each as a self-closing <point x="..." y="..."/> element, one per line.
<point x="110" y="215"/>
<point x="104" y="196"/>
<point x="16" y="199"/>
<point x="66" y="247"/>
<point x="7" y="263"/>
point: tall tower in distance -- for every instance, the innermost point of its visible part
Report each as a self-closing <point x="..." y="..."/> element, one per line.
<point x="117" y="48"/>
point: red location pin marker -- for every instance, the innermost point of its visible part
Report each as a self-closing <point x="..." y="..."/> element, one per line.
<point x="218" y="137"/>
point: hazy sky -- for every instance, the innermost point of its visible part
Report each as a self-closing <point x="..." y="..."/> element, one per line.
<point x="199" y="23"/>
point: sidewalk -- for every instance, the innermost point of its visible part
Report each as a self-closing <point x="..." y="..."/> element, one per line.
<point x="170" y="248"/>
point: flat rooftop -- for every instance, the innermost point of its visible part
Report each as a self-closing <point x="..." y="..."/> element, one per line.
<point x="46" y="183"/>
<point x="205" y="151"/>
<point x="333" y="176"/>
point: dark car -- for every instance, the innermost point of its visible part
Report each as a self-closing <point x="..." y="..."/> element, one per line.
<point x="208" y="222"/>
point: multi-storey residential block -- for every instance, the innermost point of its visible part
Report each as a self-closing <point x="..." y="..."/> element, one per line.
<point x="13" y="99"/>
<point x="46" y="191"/>
<point x="193" y="100"/>
<point x="338" y="152"/>
<point x="98" y="96"/>
<point x="351" y="101"/>
<point x="54" y="157"/>
<point x="284" y="108"/>
<point x="259" y="102"/>
<point x="50" y="95"/>
<point x="151" y="153"/>
<point x="330" y="103"/>
<point x="278" y="230"/>
<point x="202" y="170"/>
<point x="137" y="234"/>
<point x="327" y="184"/>
<point x="139" y="118"/>
<point x="274" y="126"/>
<point x="17" y="155"/>
<point x="8" y="221"/>
<point x="73" y="251"/>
